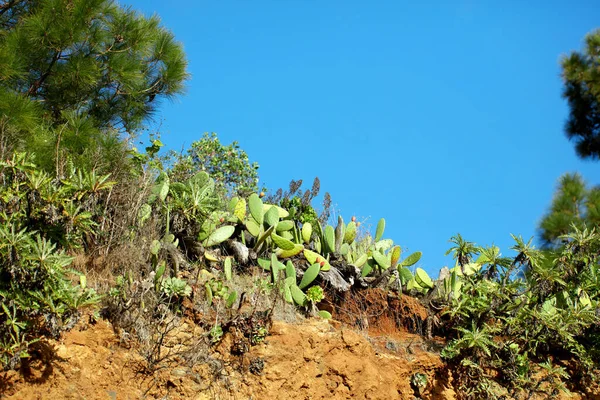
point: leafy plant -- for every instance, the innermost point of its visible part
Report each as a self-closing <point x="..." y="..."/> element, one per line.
<point x="37" y="216"/>
<point x="228" y="165"/>
<point x="175" y="287"/>
<point x="542" y="304"/>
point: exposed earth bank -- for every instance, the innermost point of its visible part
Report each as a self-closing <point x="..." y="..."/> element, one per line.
<point x="314" y="359"/>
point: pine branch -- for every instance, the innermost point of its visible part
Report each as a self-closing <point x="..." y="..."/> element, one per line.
<point x="38" y="83"/>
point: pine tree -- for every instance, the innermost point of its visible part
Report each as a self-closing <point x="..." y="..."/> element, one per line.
<point x="573" y="204"/>
<point x="76" y="75"/>
<point x="581" y="74"/>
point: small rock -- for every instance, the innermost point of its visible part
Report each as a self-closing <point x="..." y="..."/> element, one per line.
<point x="63" y="352"/>
<point x="180" y="372"/>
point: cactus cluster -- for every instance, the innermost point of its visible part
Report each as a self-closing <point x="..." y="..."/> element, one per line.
<point x="295" y="253"/>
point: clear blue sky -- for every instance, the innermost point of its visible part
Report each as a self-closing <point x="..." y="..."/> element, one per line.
<point x="442" y="117"/>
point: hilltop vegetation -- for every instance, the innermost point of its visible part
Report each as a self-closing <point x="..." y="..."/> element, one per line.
<point x="145" y="239"/>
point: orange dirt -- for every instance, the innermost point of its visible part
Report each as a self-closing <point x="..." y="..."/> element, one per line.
<point x="312" y="360"/>
<point x="315" y="359"/>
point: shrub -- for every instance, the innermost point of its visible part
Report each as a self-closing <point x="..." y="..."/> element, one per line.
<point x="228" y="165"/>
<point x="37" y="214"/>
<point x="544" y="306"/>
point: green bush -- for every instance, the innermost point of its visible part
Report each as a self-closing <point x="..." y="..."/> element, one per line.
<point x="37" y="214"/>
<point x="228" y="165"/>
<point x="545" y="305"/>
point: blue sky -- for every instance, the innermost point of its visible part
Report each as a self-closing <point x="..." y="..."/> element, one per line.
<point x="442" y="117"/>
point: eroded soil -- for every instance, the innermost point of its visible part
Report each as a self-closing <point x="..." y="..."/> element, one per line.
<point x="312" y="360"/>
<point x="365" y="353"/>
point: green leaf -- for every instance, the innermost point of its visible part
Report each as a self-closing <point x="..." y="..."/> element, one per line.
<point x="381" y="259"/>
<point x="309" y="275"/>
<point x="155" y="247"/>
<point x="206" y="229"/>
<point x="306" y="232"/>
<point x="470" y="268"/>
<point x="253" y="227"/>
<point x="380" y="229"/>
<point x="290" y="253"/>
<point x="350" y="233"/>
<point x="287" y="235"/>
<point x="584" y="299"/>
<point x="313" y="258"/>
<point x="361" y="260"/>
<point x="298" y="295"/>
<point x="290" y="270"/>
<point x="344" y="249"/>
<point x="144" y="213"/>
<point x="231" y="299"/>
<point x="274" y="267"/>
<point x="287" y="294"/>
<point x="227" y="268"/>
<point x="384" y="245"/>
<point x="412" y="259"/>
<point x="256" y="208"/>
<point x="285" y="225"/>
<point x="395" y="256"/>
<point x="413" y="284"/>
<point x="423" y="279"/>
<point x="219" y="236"/>
<point x="405" y="275"/>
<point x="289" y="281"/>
<point x="367" y="268"/>
<point x="324" y="314"/>
<point x="160" y="271"/>
<point x="282" y="243"/>
<point x="240" y="210"/>
<point x="340" y="231"/>
<point x="160" y="190"/>
<point x="329" y="239"/>
<point x="232" y="203"/>
<point x="264" y="237"/>
<point x="281" y="213"/>
<point x="177" y="187"/>
<point x="169" y="238"/>
<point x="209" y="293"/>
<point x="272" y="217"/>
<point x="264" y="264"/>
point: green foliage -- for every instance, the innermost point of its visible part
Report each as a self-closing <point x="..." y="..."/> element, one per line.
<point x="219" y="236"/>
<point x="423" y="278"/>
<point x="309" y="275"/>
<point x="573" y="204"/>
<point x="216" y="333"/>
<point x="217" y="290"/>
<point x="462" y="251"/>
<point x="64" y="212"/>
<point x="37" y="296"/>
<point x="418" y="382"/>
<point x="185" y="209"/>
<point x="315" y="294"/>
<point x="541" y="304"/>
<point x="75" y="74"/>
<point x="228" y="165"/>
<point x="175" y="287"/>
<point x="582" y="91"/>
